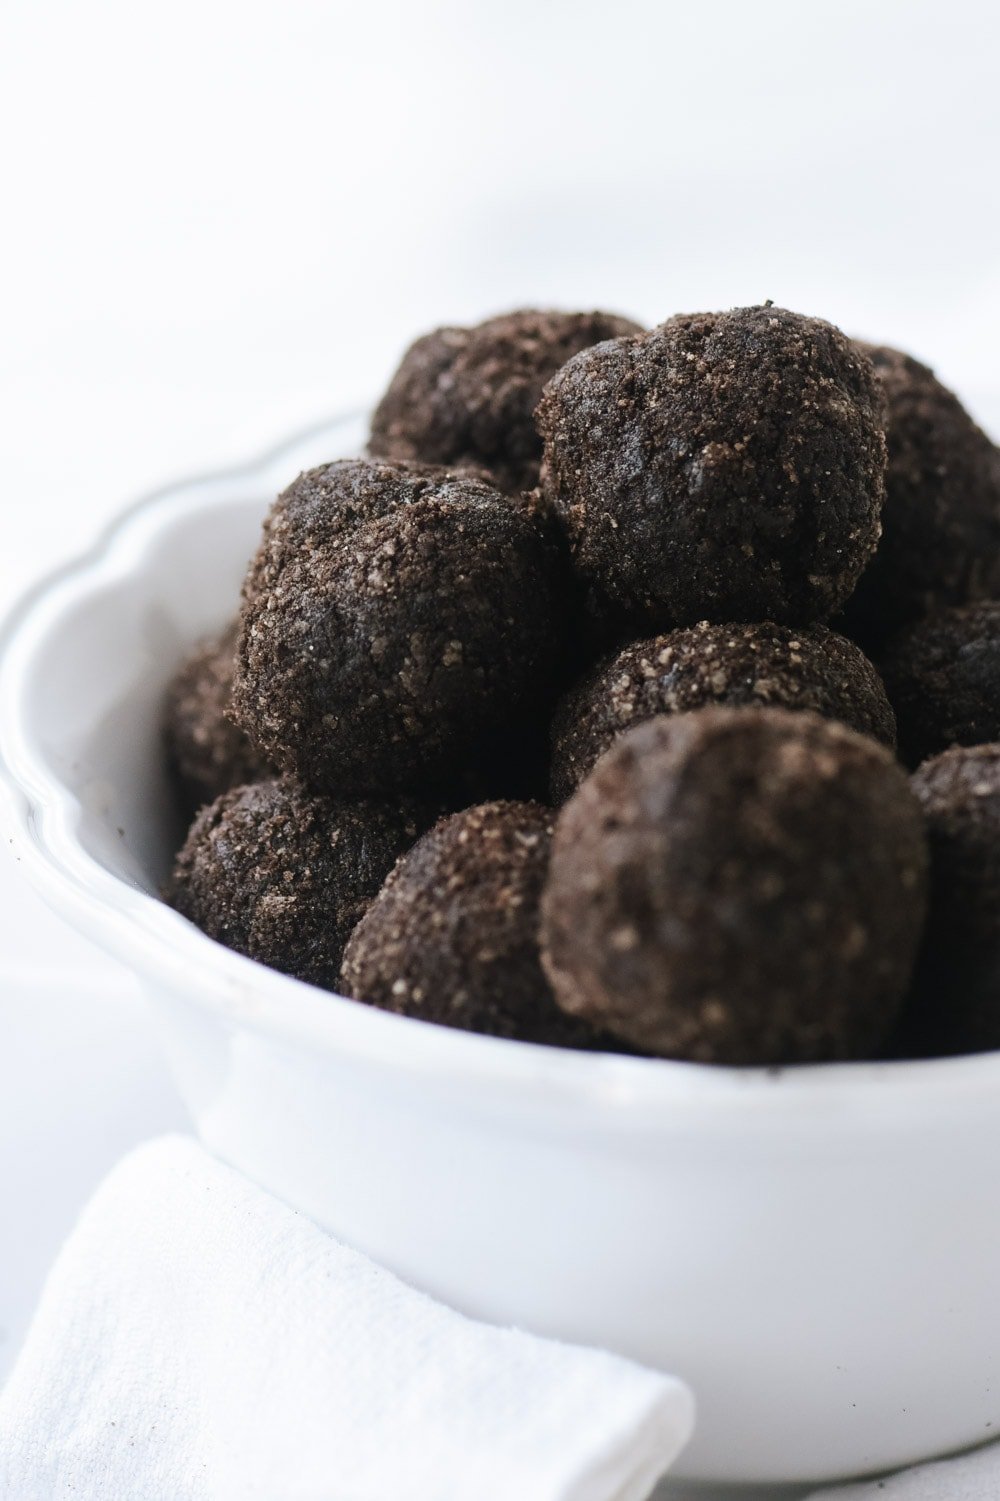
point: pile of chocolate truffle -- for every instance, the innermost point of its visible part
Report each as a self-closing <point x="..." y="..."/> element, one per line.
<point x="570" y="712"/>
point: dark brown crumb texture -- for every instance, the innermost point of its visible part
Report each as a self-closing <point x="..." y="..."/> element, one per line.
<point x="393" y="617"/>
<point x="741" y="886"/>
<point x="941" y="522"/>
<point x="725" y="466"/>
<point x="205" y="750"/>
<point x="804" y="667"/>
<point x="453" y="935"/>
<point x="955" y="1005"/>
<point x="467" y="396"/>
<point x="943" y="677"/>
<point x="282" y="874"/>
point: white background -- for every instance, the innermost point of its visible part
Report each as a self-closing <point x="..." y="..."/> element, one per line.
<point x="222" y="219"/>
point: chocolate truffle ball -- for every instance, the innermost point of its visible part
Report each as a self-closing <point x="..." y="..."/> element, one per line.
<point x="725" y="466"/>
<point x="941" y="521"/>
<point x="283" y="874"/>
<point x="943" y="677"/>
<point x="393" y="617"/>
<point x="467" y="396"/>
<point x="452" y="937"/>
<point x="955" y="1004"/>
<point x="205" y="750"/>
<point x="740" y="886"/>
<point x="805" y="667"/>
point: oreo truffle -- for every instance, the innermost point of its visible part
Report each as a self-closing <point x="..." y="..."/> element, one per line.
<point x="206" y="752"/>
<point x="955" y="1004"/>
<point x="725" y="466"/>
<point x="283" y="874"/>
<point x="394" y="616"/>
<point x="452" y="937"/>
<point x="806" y="667"/>
<point x="943" y="677"/>
<point x="467" y="396"/>
<point x="941" y="521"/>
<point x="740" y="886"/>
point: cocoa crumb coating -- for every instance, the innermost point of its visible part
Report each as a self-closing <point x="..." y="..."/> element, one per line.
<point x="283" y="874"/>
<point x="955" y="1003"/>
<point x="802" y="667"/>
<point x="740" y="886"/>
<point x="467" y="396"/>
<point x="724" y="466"/>
<point x="452" y="937"/>
<point x="941" y="521"/>
<point x="205" y="750"/>
<point x="394" y="616"/>
<point x="943" y="677"/>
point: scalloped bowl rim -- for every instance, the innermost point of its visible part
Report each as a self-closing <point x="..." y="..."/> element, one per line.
<point x="161" y="946"/>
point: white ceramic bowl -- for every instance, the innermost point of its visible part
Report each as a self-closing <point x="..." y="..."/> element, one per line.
<point x="815" y="1251"/>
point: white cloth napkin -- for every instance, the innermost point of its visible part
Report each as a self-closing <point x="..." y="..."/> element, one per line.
<point x="198" y="1341"/>
<point x="973" y="1477"/>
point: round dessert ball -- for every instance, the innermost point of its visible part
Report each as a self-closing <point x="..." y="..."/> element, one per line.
<point x="805" y="667"/>
<point x="941" y="521"/>
<point x="955" y="1003"/>
<point x="725" y="466"/>
<point x="741" y="886"/>
<point x="943" y="677"/>
<point x="467" y="396"/>
<point x="205" y="750"/>
<point x="282" y="874"/>
<point x="452" y="937"/>
<point x="393" y="617"/>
